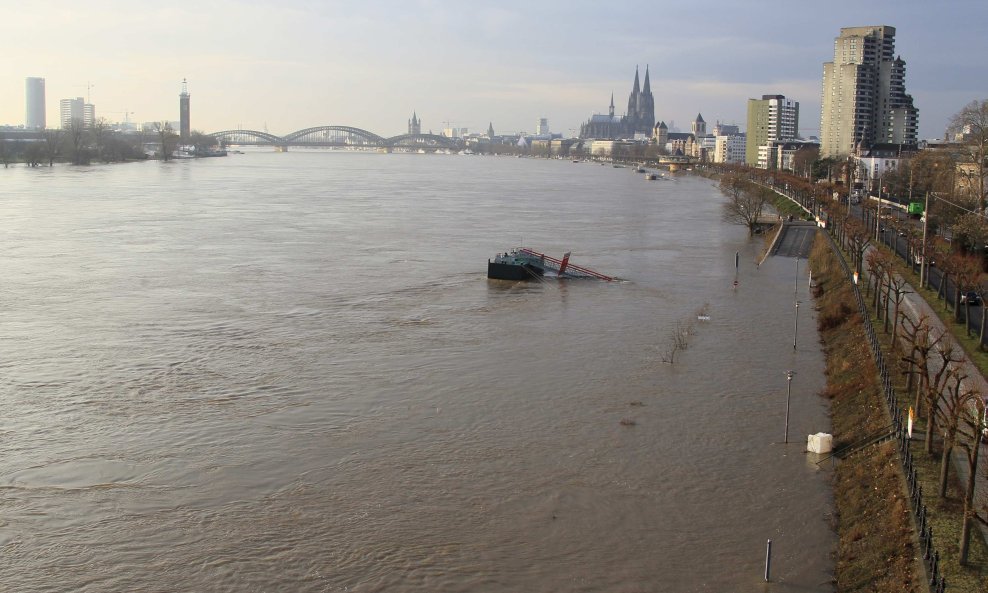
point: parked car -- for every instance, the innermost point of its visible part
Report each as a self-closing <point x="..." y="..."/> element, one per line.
<point x="971" y="298"/>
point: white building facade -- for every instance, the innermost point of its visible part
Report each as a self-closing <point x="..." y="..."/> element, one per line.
<point x="76" y="110"/>
<point x="729" y="148"/>
<point x="773" y="118"/>
<point x="35" y="103"/>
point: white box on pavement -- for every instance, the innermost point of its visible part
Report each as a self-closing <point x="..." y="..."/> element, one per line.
<point x="820" y="442"/>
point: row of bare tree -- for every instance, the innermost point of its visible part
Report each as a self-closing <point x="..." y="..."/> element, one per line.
<point x="948" y="404"/>
<point x="80" y="144"/>
<point x="936" y="382"/>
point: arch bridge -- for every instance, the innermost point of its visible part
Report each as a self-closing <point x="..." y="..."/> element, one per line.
<point x="332" y="137"/>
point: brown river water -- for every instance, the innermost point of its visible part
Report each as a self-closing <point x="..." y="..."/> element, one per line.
<point x="289" y="372"/>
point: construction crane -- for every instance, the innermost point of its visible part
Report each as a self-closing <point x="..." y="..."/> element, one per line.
<point x="89" y="90"/>
<point x="125" y="113"/>
<point x="448" y="125"/>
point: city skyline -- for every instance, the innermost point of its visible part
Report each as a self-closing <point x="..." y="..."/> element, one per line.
<point x="372" y="65"/>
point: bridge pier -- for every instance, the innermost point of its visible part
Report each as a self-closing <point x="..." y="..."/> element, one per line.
<point x="281" y="148"/>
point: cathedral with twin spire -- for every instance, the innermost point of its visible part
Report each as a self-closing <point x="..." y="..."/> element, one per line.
<point x="639" y="119"/>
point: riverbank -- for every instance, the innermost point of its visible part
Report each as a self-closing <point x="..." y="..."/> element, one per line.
<point x="877" y="547"/>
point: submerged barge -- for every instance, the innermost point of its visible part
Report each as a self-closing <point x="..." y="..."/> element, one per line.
<point x="526" y="264"/>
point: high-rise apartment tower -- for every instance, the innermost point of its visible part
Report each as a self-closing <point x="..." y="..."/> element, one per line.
<point x="864" y="98"/>
<point x="77" y="110"/>
<point x="772" y="118"/>
<point x="35" y="95"/>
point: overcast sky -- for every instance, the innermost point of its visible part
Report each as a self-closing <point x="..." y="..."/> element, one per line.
<point x="283" y="65"/>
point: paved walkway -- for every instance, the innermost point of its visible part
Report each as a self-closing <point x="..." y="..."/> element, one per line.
<point x="915" y="307"/>
<point x="795" y="240"/>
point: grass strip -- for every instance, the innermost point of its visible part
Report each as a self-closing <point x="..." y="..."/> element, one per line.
<point x="877" y="547"/>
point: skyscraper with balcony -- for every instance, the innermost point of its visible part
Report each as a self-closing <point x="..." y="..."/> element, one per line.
<point x="773" y="118"/>
<point x="864" y="100"/>
<point x="35" y="101"/>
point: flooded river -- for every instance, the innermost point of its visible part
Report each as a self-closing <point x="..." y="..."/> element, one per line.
<point x="289" y="372"/>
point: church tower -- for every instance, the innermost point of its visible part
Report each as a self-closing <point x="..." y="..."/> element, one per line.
<point x="641" y="107"/>
<point x="647" y="114"/>
<point x="661" y="135"/>
<point x="414" y="124"/>
<point x="633" y="100"/>
<point x="640" y="118"/>
<point x="699" y="127"/>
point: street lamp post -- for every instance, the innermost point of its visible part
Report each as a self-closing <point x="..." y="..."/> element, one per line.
<point x="795" y="326"/>
<point x="795" y="282"/>
<point x="922" y="261"/>
<point x="789" y="375"/>
<point x="851" y="170"/>
<point x="878" y="213"/>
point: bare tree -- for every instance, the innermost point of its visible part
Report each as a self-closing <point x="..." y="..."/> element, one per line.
<point x="898" y="289"/>
<point x="858" y="238"/>
<point x="53" y="144"/>
<point x="968" y="276"/>
<point x="970" y="125"/>
<point x="802" y="161"/>
<point x="101" y="132"/>
<point x="166" y="137"/>
<point x="974" y="423"/>
<point x="839" y="220"/>
<point x="878" y="265"/>
<point x="947" y="262"/>
<point x="77" y="142"/>
<point x="942" y="369"/>
<point x="951" y="412"/>
<point x="34" y="154"/>
<point x="5" y="151"/>
<point x="916" y="333"/>
<point x="979" y="289"/>
<point x="971" y="231"/>
<point x="201" y="143"/>
<point x="746" y="200"/>
<point x="679" y="336"/>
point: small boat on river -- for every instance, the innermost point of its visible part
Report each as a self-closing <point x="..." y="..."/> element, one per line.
<point x="526" y="264"/>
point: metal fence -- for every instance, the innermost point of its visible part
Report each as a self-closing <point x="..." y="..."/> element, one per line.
<point x="931" y="557"/>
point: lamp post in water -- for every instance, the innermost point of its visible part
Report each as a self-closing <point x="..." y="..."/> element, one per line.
<point x="795" y="326"/>
<point x="795" y="283"/>
<point x="789" y="375"/>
